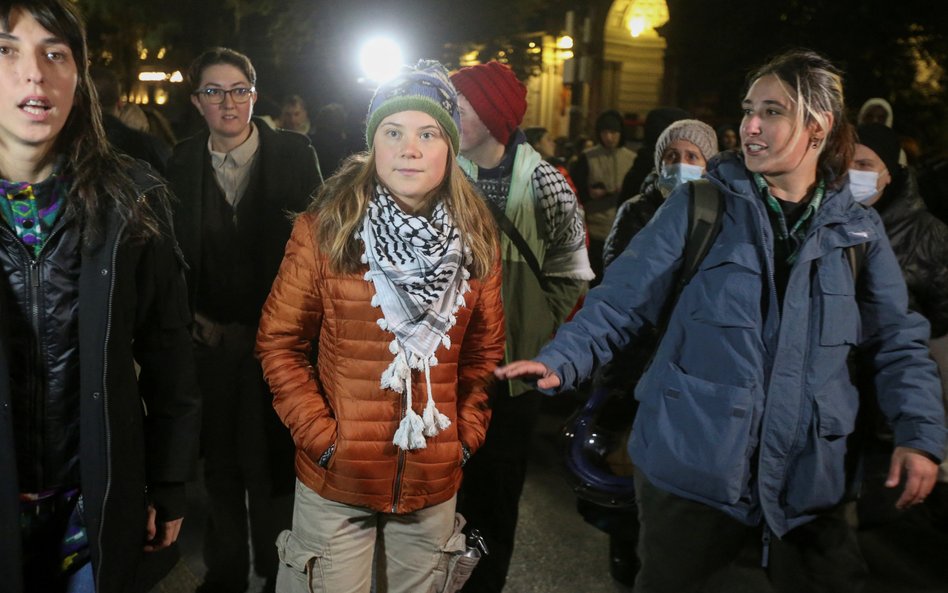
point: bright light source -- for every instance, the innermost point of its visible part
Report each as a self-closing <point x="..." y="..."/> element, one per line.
<point x="152" y="76"/>
<point x="644" y="16"/>
<point x="637" y="24"/>
<point x="564" y="42"/>
<point x="380" y="59"/>
<point x="176" y="76"/>
<point x="470" y="58"/>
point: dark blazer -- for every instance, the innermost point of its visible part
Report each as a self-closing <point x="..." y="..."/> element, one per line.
<point x="283" y="180"/>
<point x="132" y="309"/>
<point x="285" y="177"/>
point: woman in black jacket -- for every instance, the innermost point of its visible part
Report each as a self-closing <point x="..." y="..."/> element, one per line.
<point x="93" y="456"/>
<point x="920" y="243"/>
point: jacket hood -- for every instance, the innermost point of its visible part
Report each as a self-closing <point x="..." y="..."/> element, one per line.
<point x="728" y="171"/>
<point x="901" y="198"/>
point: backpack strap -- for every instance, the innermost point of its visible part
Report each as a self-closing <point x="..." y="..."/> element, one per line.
<point x="856" y="254"/>
<point x="705" y="211"/>
<point x="509" y="229"/>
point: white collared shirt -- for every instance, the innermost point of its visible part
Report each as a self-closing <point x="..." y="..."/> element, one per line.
<point x="232" y="169"/>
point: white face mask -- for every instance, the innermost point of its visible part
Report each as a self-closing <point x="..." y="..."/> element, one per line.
<point x="674" y="175"/>
<point x="863" y="184"/>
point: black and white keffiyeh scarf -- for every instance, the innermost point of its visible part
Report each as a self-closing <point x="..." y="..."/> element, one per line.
<point x="418" y="267"/>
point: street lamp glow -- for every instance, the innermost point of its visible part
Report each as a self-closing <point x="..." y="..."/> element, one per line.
<point x="564" y="42"/>
<point x="637" y="25"/>
<point x="380" y="59"/>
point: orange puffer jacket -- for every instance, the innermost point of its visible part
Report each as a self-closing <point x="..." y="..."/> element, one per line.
<point x="341" y="402"/>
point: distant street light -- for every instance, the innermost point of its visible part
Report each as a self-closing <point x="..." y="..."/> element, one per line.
<point x="380" y="59"/>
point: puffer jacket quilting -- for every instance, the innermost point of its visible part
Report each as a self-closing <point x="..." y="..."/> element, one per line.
<point x="313" y="311"/>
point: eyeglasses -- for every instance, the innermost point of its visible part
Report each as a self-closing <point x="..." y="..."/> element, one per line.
<point x="215" y="96"/>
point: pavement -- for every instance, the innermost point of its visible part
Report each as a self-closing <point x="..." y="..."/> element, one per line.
<point x="557" y="552"/>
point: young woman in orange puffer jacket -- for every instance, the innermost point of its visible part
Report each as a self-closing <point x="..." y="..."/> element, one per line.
<point x="392" y="280"/>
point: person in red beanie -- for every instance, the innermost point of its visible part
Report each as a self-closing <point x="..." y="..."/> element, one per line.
<point x="545" y="270"/>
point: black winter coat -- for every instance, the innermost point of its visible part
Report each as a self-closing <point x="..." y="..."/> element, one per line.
<point x="620" y="375"/>
<point x="920" y="243"/>
<point x="633" y="214"/>
<point x="285" y="176"/>
<point x="134" y="431"/>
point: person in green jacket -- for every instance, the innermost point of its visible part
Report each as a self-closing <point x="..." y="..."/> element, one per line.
<point x="541" y="284"/>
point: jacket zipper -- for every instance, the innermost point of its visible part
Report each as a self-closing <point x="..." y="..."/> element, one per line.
<point x="806" y="361"/>
<point x="400" y="464"/>
<point x="33" y="281"/>
<point x="105" y="406"/>
<point x="398" y="480"/>
<point x="37" y="352"/>
<point x="798" y="442"/>
<point x="764" y="222"/>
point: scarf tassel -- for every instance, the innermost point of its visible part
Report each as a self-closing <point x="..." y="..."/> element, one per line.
<point x="434" y="420"/>
<point x="397" y="375"/>
<point x="410" y="433"/>
<point x="411" y="430"/>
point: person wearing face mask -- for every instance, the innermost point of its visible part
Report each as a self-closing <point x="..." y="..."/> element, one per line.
<point x="920" y="243"/>
<point x="875" y="164"/>
<point x="681" y="153"/>
<point x="745" y="410"/>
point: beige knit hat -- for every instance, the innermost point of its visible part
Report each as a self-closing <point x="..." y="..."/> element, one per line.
<point x="697" y="132"/>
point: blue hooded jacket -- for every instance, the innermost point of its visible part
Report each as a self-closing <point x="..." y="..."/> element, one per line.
<point x="746" y="407"/>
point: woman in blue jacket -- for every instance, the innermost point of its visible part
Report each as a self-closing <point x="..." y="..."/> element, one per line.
<point x="745" y="410"/>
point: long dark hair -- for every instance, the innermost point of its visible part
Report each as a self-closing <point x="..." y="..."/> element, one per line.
<point x="99" y="179"/>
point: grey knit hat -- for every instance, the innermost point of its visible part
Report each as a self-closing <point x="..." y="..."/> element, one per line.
<point x="697" y="132"/>
<point x="426" y="88"/>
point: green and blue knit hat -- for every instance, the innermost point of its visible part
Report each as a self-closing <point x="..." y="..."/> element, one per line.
<point x="426" y="88"/>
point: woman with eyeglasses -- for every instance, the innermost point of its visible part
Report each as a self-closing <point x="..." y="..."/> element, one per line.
<point x="235" y="182"/>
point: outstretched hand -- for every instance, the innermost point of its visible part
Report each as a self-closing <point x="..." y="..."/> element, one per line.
<point x="920" y="474"/>
<point x="528" y="370"/>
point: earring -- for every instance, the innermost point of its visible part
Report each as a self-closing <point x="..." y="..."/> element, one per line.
<point x="814" y="142"/>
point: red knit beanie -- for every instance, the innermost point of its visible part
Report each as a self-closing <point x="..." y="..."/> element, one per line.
<point x="498" y="98"/>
